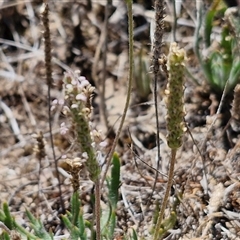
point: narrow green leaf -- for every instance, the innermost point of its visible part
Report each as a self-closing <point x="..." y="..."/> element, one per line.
<point x="74" y="232"/>
<point x="234" y="76"/>
<point x="134" y="235"/>
<point x="75" y="208"/>
<point x="82" y="227"/>
<point x="8" y="221"/>
<point x="5" y="236"/>
<point x="38" y="227"/>
<point x="114" y="181"/>
<point x="208" y="27"/>
<point x="23" y="231"/>
<point x="2" y="216"/>
<point x="31" y="218"/>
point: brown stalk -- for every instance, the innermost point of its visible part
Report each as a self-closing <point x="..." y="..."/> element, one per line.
<point x="48" y="66"/>
<point x="157" y="53"/>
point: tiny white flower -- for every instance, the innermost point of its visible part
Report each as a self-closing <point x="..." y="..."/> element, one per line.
<point x="81" y="78"/>
<point x="77" y="72"/>
<point x="81" y="97"/>
<point x="85" y="155"/>
<point x="103" y="144"/>
<point x="74" y="82"/>
<point x="69" y="86"/>
<point x="84" y="83"/>
<point x="66" y="110"/>
<point x="61" y="102"/>
<point x="55" y="102"/>
<point x="63" y="128"/>
<point x="100" y="158"/>
<point x="74" y="106"/>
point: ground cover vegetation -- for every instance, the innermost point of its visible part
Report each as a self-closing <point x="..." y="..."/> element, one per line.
<point x="119" y="119"/>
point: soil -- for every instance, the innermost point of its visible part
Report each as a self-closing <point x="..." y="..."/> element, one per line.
<point x="206" y="191"/>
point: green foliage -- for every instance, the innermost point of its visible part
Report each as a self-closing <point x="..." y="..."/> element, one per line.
<point x="221" y="65"/>
<point x="8" y="220"/>
<point x="113" y="183"/>
<point x="74" y="221"/>
<point x="5" y="236"/>
<point x="134" y="235"/>
<point x="167" y="224"/>
<point x="109" y="215"/>
<point x="38" y="227"/>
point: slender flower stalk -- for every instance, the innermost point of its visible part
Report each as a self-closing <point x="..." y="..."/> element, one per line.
<point x="157" y="53"/>
<point x="175" y="117"/>
<point x="49" y="79"/>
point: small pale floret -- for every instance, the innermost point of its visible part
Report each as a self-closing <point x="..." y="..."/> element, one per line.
<point x="74" y="82"/>
<point x="55" y="102"/>
<point x="61" y="102"/>
<point x="103" y="144"/>
<point x="66" y="110"/>
<point x="69" y="86"/>
<point x="81" y="97"/>
<point x="84" y="83"/>
<point x="96" y="133"/>
<point x="81" y="78"/>
<point x="77" y="72"/>
<point x="63" y="128"/>
<point x="73" y="106"/>
<point x="85" y="155"/>
<point x="86" y="111"/>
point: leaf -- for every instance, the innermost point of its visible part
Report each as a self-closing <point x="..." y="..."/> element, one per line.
<point x="74" y="232"/>
<point x="208" y="27"/>
<point x="134" y="235"/>
<point x="38" y="227"/>
<point x="114" y="181"/>
<point x="82" y="226"/>
<point x="234" y="76"/>
<point x="8" y="221"/>
<point x="75" y="208"/>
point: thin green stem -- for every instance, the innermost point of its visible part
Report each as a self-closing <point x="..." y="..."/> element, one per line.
<point x="174" y="21"/>
<point x="167" y="193"/>
<point x="129" y="87"/>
